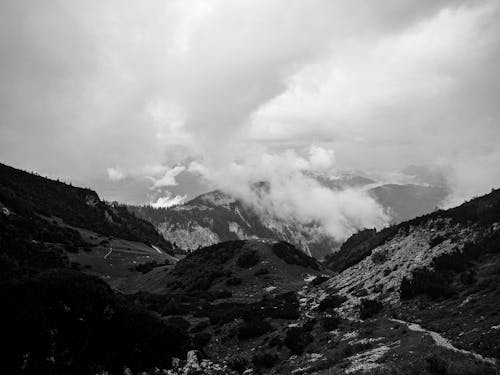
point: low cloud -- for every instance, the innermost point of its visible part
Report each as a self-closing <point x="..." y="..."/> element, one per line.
<point x="290" y="193"/>
<point x="168" y="201"/>
<point x="168" y="178"/>
<point x="115" y="174"/>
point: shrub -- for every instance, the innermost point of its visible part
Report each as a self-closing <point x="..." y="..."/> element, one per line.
<point x="451" y="262"/>
<point x="248" y="259"/>
<point x="234" y="281"/>
<point x="262" y="271"/>
<point x="379" y="257"/>
<point x="221" y="294"/>
<point x="201" y="339"/>
<point x="436" y="240"/>
<point x="253" y="327"/>
<point x="264" y="359"/>
<point x="200" y="326"/>
<point x="291" y="255"/>
<point x="296" y="339"/>
<point x="238" y="364"/>
<point x="425" y="281"/>
<point x="330" y="323"/>
<point x="369" y="308"/>
<point x="331" y="302"/>
<point x="318" y="280"/>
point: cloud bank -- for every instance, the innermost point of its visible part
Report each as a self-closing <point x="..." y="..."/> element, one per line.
<point x="120" y="95"/>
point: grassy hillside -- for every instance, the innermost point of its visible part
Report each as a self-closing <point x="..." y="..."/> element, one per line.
<point x="28" y="194"/>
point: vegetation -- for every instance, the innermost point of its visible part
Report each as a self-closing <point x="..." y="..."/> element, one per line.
<point x="369" y="308"/>
<point x="426" y="281"/>
<point x="291" y="255"/>
<point x="253" y="327"/>
<point x="296" y="339"/>
<point x="332" y="301"/>
<point x="248" y="259"/>
<point x="30" y="195"/>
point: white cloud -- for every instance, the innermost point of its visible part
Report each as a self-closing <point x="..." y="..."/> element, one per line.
<point x="292" y="194"/>
<point x="168" y="177"/>
<point x="168" y="201"/>
<point x="115" y="174"/>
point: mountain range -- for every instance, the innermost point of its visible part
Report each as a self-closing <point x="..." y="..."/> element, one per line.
<point x="217" y="216"/>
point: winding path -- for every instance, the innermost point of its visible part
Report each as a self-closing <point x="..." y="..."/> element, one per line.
<point x="443" y="342"/>
<point x="109" y="252"/>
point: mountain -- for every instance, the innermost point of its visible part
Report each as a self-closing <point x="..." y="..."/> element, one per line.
<point x="216" y="216"/>
<point x="73" y="226"/>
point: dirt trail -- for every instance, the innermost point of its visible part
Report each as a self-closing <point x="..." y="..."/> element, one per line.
<point x="443" y="342"/>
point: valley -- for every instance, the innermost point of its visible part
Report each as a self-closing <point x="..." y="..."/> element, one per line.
<point x="418" y="297"/>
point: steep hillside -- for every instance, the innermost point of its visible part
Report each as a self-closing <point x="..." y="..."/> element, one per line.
<point x="59" y="224"/>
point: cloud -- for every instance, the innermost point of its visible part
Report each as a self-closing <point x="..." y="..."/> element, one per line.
<point x="291" y="193"/>
<point x="168" y="201"/>
<point x="115" y="174"/>
<point x="168" y="178"/>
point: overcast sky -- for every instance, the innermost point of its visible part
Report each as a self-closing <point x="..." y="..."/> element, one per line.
<point x="136" y="99"/>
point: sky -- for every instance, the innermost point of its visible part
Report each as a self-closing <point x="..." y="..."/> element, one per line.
<point x="157" y="101"/>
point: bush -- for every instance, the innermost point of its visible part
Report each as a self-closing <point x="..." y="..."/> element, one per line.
<point x="379" y="257"/>
<point x="221" y="294"/>
<point x="425" y="281"/>
<point x="436" y="240"/>
<point x="253" y="327"/>
<point x="238" y="364"/>
<point x="331" y="302"/>
<point x="296" y="339"/>
<point x="200" y="326"/>
<point x="234" y="281"/>
<point x="248" y="259"/>
<point x="262" y="271"/>
<point x="369" y="308"/>
<point x="201" y="339"/>
<point x="330" y="323"/>
<point x="291" y="255"/>
<point x="318" y="280"/>
<point x="264" y="359"/>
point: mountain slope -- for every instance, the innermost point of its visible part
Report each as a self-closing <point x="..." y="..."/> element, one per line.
<point x="62" y="225"/>
<point x="217" y="217"/>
